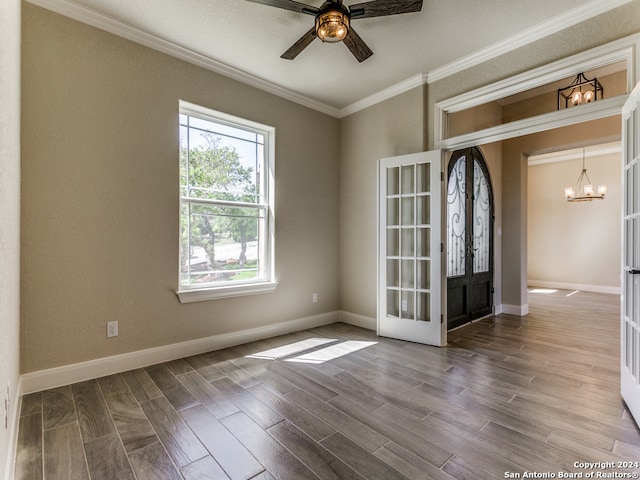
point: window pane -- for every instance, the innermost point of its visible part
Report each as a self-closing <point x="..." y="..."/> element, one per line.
<point x="220" y="167"/>
<point x="220" y="244"/>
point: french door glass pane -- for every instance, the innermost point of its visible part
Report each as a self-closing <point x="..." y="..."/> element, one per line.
<point x="393" y="303"/>
<point x="423" y="242"/>
<point x="393" y="273"/>
<point x="423" y="178"/>
<point x="408" y="310"/>
<point x="407" y="211"/>
<point x="481" y="220"/>
<point x="408" y="179"/>
<point x="393" y="181"/>
<point x="423" y="307"/>
<point x="423" y="274"/>
<point x="456" y="225"/>
<point x="393" y="242"/>
<point x="393" y="212"/>
<point x="408" y="242"/>
<point x="407" y="273"/>
<point x="423" y="210"/>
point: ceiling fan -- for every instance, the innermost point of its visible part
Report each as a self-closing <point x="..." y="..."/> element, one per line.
<point x="333" y="21"/>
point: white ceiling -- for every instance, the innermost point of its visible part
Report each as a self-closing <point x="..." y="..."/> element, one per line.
<point x="249" y="38"/>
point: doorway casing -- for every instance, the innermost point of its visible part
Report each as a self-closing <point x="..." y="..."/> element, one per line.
<point x="626" y="50"/>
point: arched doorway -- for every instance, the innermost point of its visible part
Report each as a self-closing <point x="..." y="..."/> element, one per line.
<point x="470" y="217"/>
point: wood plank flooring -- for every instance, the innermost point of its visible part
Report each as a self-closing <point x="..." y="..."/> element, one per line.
<point x="508" y="395"/>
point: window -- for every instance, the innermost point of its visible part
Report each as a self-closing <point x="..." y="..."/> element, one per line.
<point x="226" y="205"/>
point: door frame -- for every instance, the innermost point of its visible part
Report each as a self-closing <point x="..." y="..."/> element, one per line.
<point x="626" y="49"/>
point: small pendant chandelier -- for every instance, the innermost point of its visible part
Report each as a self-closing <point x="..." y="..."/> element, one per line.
<point x="582" y="90"/>
<point x="583" y="191"/>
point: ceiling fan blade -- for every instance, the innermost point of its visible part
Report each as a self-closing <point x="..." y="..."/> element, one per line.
<point x="380" y="8"/>
<point x="357" y="46"/>
<point x="289" y="5"/>
<point x="302" y="43"/>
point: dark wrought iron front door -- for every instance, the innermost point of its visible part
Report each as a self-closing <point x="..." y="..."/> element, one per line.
<point x="469" y="238"/>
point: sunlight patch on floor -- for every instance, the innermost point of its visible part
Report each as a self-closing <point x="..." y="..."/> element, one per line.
<point x="545" y="291"/>
<point x="292" y="348"/>
<point x="332" y="352"/>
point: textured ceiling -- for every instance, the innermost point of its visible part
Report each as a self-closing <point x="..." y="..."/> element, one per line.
<point x="250" y="37"/>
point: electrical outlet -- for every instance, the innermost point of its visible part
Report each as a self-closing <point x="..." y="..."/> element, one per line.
<point x="112" y="329"/>
<point x="314" y="297"/>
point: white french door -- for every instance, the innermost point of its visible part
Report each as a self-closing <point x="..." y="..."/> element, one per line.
<point x="410" y="248"/>
<point x="630" y="311"/>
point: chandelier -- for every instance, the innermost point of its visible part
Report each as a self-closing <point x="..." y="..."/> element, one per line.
<point x="583" y="191"/>
<point x="582" y="90"/>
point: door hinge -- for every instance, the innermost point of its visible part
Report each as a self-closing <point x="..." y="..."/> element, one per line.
<point x="442" y="176"/>
<point x="442" y="248"/>
<point x="441" y="319"/>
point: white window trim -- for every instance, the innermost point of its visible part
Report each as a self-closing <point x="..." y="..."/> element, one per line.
<point x="213" y="292"/>
<point x="226" y="291"/>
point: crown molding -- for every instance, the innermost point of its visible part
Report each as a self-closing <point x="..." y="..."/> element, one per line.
<point x="116" y="27"/>
<point x="389" y="92"/>
<point x="530" y="35"/>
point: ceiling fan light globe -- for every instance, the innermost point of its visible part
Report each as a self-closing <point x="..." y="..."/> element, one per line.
<point x="332" y="26"/>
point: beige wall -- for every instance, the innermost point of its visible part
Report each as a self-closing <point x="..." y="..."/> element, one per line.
<point x="394" y="127"/>
<point x="9" y="217"/>
<point x="100" y="197"/>
<point x="574" y="245"/>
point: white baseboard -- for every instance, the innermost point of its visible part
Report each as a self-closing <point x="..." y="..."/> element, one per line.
<point x="78" y="372"/>
<point x="519" y="310"/>
<point x="616" y="290"/>
<point x="14" y="416"/>
<point x="359" y="320"/>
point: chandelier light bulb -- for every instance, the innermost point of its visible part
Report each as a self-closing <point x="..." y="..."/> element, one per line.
<point x="589" y="96"/>
<point x="576" y="98"/>
<point x="569" y="192"/>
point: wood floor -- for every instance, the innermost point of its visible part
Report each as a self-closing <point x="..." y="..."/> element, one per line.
<point x="509" y="395"/>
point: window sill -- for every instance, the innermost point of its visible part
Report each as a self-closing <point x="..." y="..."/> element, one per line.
<point x="190" y="296"/>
